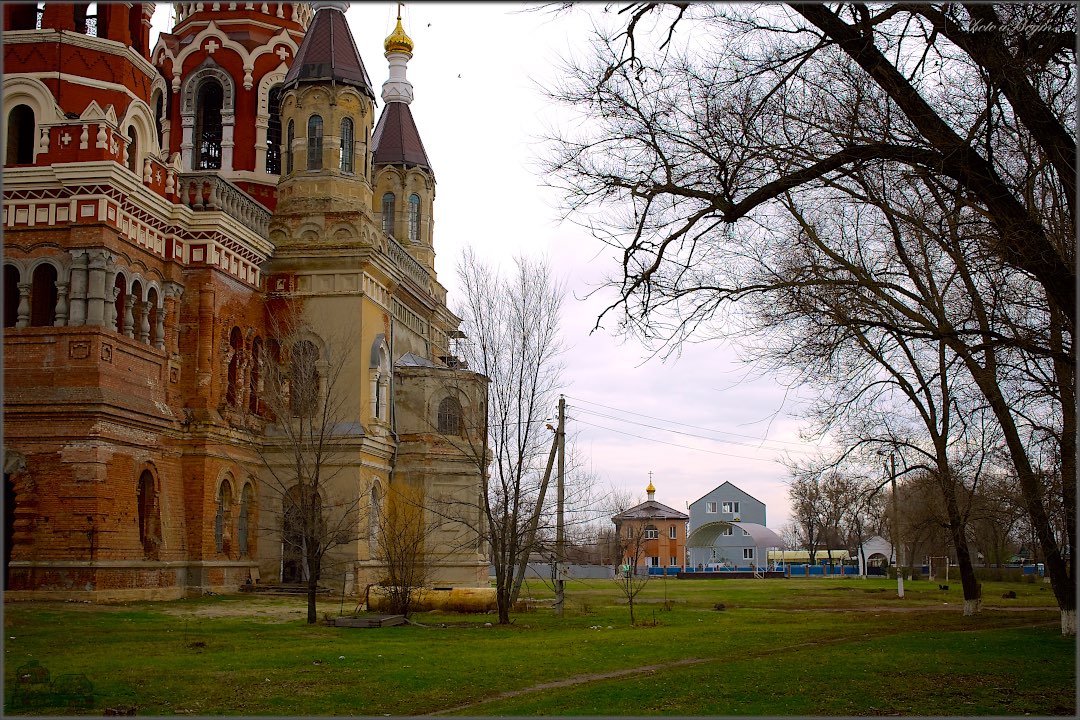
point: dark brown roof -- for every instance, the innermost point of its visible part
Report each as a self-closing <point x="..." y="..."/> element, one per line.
<point x="329" y="53"/>
<point x="650" y="510"/>
<point x="396" y="140"/>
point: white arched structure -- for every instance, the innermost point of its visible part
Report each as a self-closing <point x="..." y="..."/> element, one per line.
<point x="762" y="537"/>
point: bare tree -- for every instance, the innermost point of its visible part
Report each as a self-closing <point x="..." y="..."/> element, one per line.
<point x="306" y="449"/>
<point x="401" y="528"/>
<point x="804" y="492"/>
<point x="512" y="325"/>
<point x="817" y="116"/>
<point x="629" y="578"/>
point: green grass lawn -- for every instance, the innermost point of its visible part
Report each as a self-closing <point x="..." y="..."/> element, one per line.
<point x="778" y="647"/>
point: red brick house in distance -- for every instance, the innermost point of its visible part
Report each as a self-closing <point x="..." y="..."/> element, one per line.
<point x="651" y="534"/>
<point x="152" y="218"/>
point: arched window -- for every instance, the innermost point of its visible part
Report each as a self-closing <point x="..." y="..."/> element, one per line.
<point x="118" y="304"/>
<point x="273" y="131"/>
<point x="223" y="518"/>
<point x="149" y="517"/>
<point x="374" y="520"/>
<point x="449" y="417"/>
<point x="154" y="316"/>
<point x="11" y="295"/>
<point x="208" y="131"/>
<point x="20" y="136"/>
<point x="304" y="378"/>
<point x="388" y="214"/>
<point x="314" y="143"/>
<point x="86" y="18"/>
<point x="133" y="151"/>
<point x="43" y="296"/>
<point x="244" y="523"/>
<point x="132" y="324"/>
<point x="414" y="218"/>
<point x="289" y="150"/>
<point x="236" y="342"/>
<point x="256" y="376"/>
<point x="347" y="146"/>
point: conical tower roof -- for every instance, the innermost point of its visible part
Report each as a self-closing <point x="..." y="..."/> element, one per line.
<point x="396" y="141"/>
<point x="329" y="54"/>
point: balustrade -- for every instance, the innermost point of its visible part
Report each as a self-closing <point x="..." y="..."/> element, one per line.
<point x="210" y="192"/>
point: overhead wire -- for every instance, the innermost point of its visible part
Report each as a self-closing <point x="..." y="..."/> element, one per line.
<point x="664" y="442"/>
<point x="760" y="444"/>
<point x="676" y="422"/>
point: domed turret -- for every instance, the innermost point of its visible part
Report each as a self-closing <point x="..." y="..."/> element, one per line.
<point x="398" y="41"/>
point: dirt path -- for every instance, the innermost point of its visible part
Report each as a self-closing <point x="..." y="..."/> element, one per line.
<point x="645" y="669"/>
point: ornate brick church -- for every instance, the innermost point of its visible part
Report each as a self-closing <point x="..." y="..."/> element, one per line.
<point x="164" y="208"/>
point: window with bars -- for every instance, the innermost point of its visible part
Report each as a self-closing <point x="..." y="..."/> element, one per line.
<point x="314" y="142"/>
<point x="449" y="421"/>
<point x="388" y="214"/>
<point x="414" y="218"/>
<point x="208" y="130"/>
<point x="273" y="131"/>
<point x="347" y="146"/>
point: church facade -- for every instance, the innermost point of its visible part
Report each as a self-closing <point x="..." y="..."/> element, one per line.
<point x="182" y="225"/>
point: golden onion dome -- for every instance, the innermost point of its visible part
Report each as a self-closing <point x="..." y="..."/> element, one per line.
<point x="398" y="40"/>
<point x="650" y="489"/>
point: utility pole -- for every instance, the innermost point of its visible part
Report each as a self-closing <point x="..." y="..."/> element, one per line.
<point x="898" y="542"/>
<point x="560" y="533"/>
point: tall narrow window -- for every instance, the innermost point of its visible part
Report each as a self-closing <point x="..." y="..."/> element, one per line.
<point x="244" y="521"/>
<point x="133" y="151"/>
<point x="236" y="342"/>
<point x="154" y="317"/>
<point x="149" y="524"/>
<point x="388" y="214"/>
<point x="118" y="304"/>
<point x="347" y="146"/>
<point x="314" y="143"/>
<point x="43" y="296"/>
<point x="11" y="295"/>
<point x="289" y="149"/>
<point x="208" y="126"/>
<point x="273" y="131"/>
<point x="223" y="518"/>
<point x="414" y="218"/>
<point x="20" y="136"/>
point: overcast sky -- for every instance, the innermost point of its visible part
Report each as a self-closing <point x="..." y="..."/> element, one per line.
<point x="475" y="71"/>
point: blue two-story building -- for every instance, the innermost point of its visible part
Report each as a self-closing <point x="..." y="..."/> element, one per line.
<point x="732" y="547"/>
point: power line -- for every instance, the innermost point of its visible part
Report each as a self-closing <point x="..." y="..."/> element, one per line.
<point x="676" y="422"/>
<point x="664" y="442"/>
<point x="681" y="432"/>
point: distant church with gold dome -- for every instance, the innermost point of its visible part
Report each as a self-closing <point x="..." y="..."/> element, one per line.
<point x="167" y="211"/>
